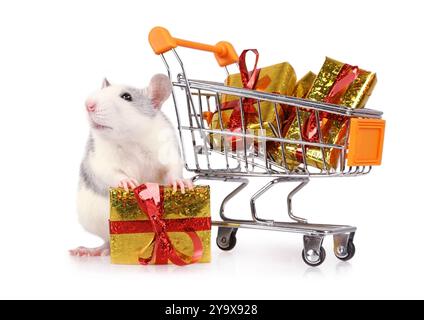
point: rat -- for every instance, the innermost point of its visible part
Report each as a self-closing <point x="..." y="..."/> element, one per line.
<point x="131" y="141"/>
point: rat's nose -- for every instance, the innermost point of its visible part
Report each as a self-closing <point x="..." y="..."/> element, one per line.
<point x="90" y="106"/>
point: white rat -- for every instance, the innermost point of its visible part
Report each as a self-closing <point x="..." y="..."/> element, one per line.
<point x="131" y="142"/>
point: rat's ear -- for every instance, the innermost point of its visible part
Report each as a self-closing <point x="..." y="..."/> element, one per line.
<point x="159" y="90"/>
<point x="105" y="83"/>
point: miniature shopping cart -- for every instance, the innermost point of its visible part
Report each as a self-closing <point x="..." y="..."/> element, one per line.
<point x="361" y="150"/>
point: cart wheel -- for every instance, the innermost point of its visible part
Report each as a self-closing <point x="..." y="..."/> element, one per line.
<point x="350" y="252"/>
<point x="312" y="258"/>
<point x="226" y="239"/>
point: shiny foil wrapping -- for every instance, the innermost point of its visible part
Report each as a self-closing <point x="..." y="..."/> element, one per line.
<point x="291" y="127"/>
<point x="123" y="203"/>
<point x="325" y="80"/>
<point x="265" y="130"/>
<point x="217" y="140"/>
<point x="279" y="78"/>
<point x="333" y="129"/>
<point x="254" y="145"/>
<point x="127" y="247"/>
<point x="356" y="94"/>
<point x="321" y="158"/>
<point x="304" y="85"/>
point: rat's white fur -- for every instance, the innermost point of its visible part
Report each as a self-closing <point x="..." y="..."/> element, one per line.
<point x="136" y="142"/>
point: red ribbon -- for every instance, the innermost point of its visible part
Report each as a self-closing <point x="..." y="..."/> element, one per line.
<point x="163" y="249"/>
<point x="261" y="85"/>
<point x="345" y="78"/>
<point x="172" y="225"/>
<point x="249" y="80"/>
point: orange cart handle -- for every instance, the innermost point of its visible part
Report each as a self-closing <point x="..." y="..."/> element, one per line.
<point x="161" y="41"/>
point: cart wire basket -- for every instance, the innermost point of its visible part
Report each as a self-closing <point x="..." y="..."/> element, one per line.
<point x="216" y="158"/>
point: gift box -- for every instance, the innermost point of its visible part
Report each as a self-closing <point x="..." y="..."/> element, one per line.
<point x="291" y="128"/>
<point x="314" y="156"/>
<point x="174" y="228"/>
<point x="342" y="84"/>
<point x="279" y="78"/>
<point x="336" y="83"/>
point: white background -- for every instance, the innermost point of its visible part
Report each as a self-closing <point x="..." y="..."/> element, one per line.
<point x="54" y="53"/>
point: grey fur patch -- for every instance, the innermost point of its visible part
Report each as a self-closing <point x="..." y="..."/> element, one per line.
<point x="141" y="101"/>
<point x="90" y="144"/>
<point x="175" y="139"/>
<point x="87" y="177"/>
<point x="89" y="180"/>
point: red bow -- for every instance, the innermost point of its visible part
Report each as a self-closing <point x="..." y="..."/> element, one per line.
<point x="163" y="249"/>
<point x="249" y="80"/>
<point x="345" y="78"/>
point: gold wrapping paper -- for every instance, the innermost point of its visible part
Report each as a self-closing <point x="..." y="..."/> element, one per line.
<point x="279" y="78"/>
<point x="315" y="156"/>
<point x="356" y="94"/>
<point x="129" y="247"/>
<point x="333" y="130"/>
<point x="217" y="140"/>
<point x="291" y="127"/>
<point x="325" y="80"/>
<point x="304" y="85"/>
<point x="267" y="130"/>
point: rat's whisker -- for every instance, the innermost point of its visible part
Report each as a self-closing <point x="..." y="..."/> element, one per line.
<point x="102" y="114"/>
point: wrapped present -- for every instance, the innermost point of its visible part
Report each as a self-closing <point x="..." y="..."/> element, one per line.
<point x="279" y="78"/>
<point x="342" y="84"/>
<point x="260" y="146"/>
<point x="336" y="83"/>
<point x="160" y="226"/>
<point x="314" y="156"/>
<point x="291" y="127"/>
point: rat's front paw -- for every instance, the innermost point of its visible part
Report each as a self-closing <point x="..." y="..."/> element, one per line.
<point x="183" y="184"/>
<point x="128" y="183"/>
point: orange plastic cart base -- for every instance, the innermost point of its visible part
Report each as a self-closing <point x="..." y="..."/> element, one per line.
<point x="366" y="140"/>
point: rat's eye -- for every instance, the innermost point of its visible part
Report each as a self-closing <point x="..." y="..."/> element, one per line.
<point x="126" y="96"/>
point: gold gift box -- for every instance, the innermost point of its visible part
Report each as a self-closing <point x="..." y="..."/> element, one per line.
<point x="279" y="78"/>
<point x="321" y="158"/>
<point x="291" y="127"/>
<point x="355" y="96"/>
<point x="333" y="130"/>
<point x="131" y="233"/>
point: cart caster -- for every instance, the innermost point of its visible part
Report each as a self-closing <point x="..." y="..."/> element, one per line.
<point x="313" y="253"/>
<point x="226" y="239"/>
<point x="344" y="249"/>
<point x="313" y="258"/>
<point x="350" y="252"/>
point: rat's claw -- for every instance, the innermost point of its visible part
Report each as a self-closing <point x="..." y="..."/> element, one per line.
<point x="189" y="184"/>
<point x="183" y="184"/>
<point x="128" y="183"/>
<point x="132" y="183"/>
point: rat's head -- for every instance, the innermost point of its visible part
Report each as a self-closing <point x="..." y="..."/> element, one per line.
<point x="115" y="111"/>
